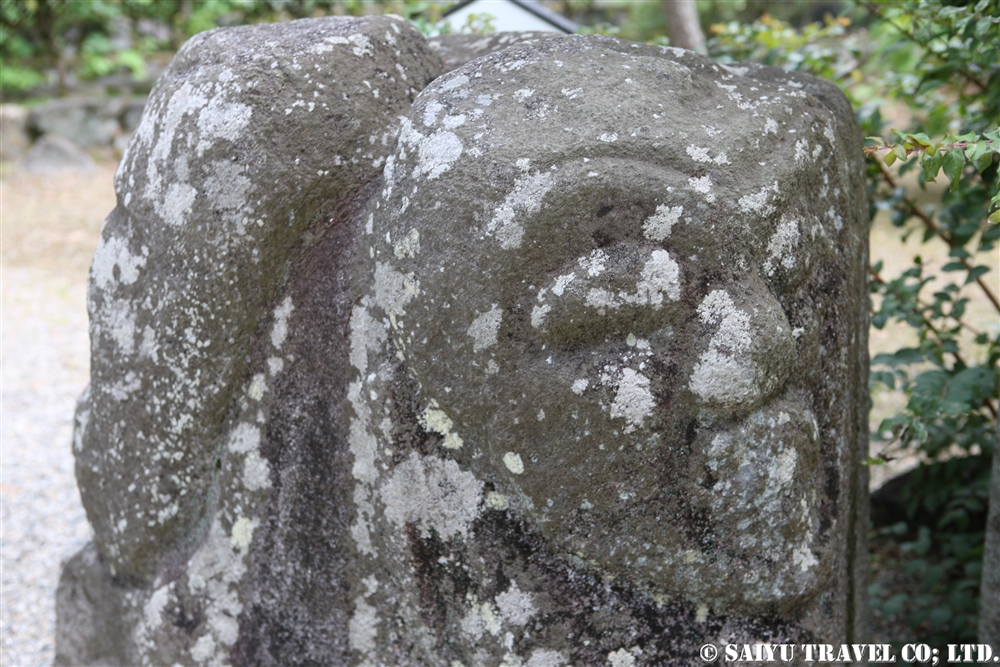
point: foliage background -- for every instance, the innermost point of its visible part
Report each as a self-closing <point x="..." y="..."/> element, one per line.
<point x="923" y="77"/>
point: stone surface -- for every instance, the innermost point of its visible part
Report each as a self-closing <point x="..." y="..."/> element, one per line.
<point x="51" y="154"/>
<point x="252" y="151"/>
<point x="626" y="287"/>
<point x="13" y="131"/>
<point x="459" y="48"/>
<point x="566" y="366"/>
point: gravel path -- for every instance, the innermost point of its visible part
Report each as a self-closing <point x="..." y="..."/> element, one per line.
<point x="50" y="229"/>
<point x="44" y="369"/>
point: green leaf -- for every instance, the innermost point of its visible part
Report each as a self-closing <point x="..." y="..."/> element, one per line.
<point x="932" y="165"/>
<point x="890" y="158"/>
<point x="983" y="161"/>
<point x="901" y="357"/>
<point x="970" y="385"/>
<point x="939" y="616"/>
<point x="893" y="605"/>
<point x="976" y="272"/>
<point x="954" y="163"/>
<point x="888" y="378"/>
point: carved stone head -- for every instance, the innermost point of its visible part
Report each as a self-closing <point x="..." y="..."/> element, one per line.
<point x="618" y="310"/>
<point x="558" y="359"/>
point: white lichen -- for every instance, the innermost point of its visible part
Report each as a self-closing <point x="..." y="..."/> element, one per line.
<point x="724" y="373"/>
<point x="409" y="246"/>
<point x="621" y="658"/>
<point x="393" y="290"/>
<point x="485" y="327"/>
<point x="279" y="330"/>
<point x="538" y="314"/>
<point x="759" y="203"/>
<point x="497" y="501"/>
<point x="513" y="462"/>
<point x="779" y="248"/>
<point x="435" y="419"/>
<point x="524" y="200"/>
<point x="593" y="263"/>
<point x="516" y="607"/>
<point x="633" y="401"/>
<point x="436" y="154"/>
<point x="432" y="493"/>
<point x="659" y="225"/>
<point x="542" y="657"/>
<point x="362" y="630"/>
<point x="244" y="438"/>
<point x="113" y="252"/>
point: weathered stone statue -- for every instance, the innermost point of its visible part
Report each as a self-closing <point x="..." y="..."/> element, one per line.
<point x="564" y="364"/>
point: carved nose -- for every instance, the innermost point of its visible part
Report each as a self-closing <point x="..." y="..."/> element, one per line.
<point x="747" y="349"/>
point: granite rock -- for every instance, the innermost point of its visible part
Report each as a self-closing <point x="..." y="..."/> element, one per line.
<point x="559" y="359"/>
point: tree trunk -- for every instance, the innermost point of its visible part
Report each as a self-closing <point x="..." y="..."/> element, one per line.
<point x="989" y="601"/>
<point x="683" y="28"/>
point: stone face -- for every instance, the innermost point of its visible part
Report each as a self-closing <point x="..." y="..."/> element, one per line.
<point x="566" y="366"/>
<point x="630" y="283"/>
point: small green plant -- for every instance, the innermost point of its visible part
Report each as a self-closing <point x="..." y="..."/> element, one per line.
<point x="479" y="24"/>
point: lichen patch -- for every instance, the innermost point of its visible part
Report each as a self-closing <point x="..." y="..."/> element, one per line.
<point x="279" y="330"/>
<point x="434" y="494"/>
<point x="779" y="248"/>
<point x="633" y="401"/>
<point x="485" y="327"/>
<point x="659" y="225"/>
<point x="524" y="200"/>
<point x="435" y="419"/>
<point x="513" y="462"/>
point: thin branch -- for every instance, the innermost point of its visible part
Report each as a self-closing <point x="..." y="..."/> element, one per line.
<point x="874" y="10"/>
<point x="962" y="145"/>
<point x="937" y="332"/>
<point x="934" y="227"/>
<point x="923" y="304"/>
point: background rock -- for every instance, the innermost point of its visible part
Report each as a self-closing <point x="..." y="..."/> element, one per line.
<point x="52" y="154"/>
<point x="13" y="131"/>
<point x="86" y="122"/>
<point x="459" y="48"/>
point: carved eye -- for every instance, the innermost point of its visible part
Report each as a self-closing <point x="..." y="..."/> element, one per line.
<point x="608" y="294"/>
